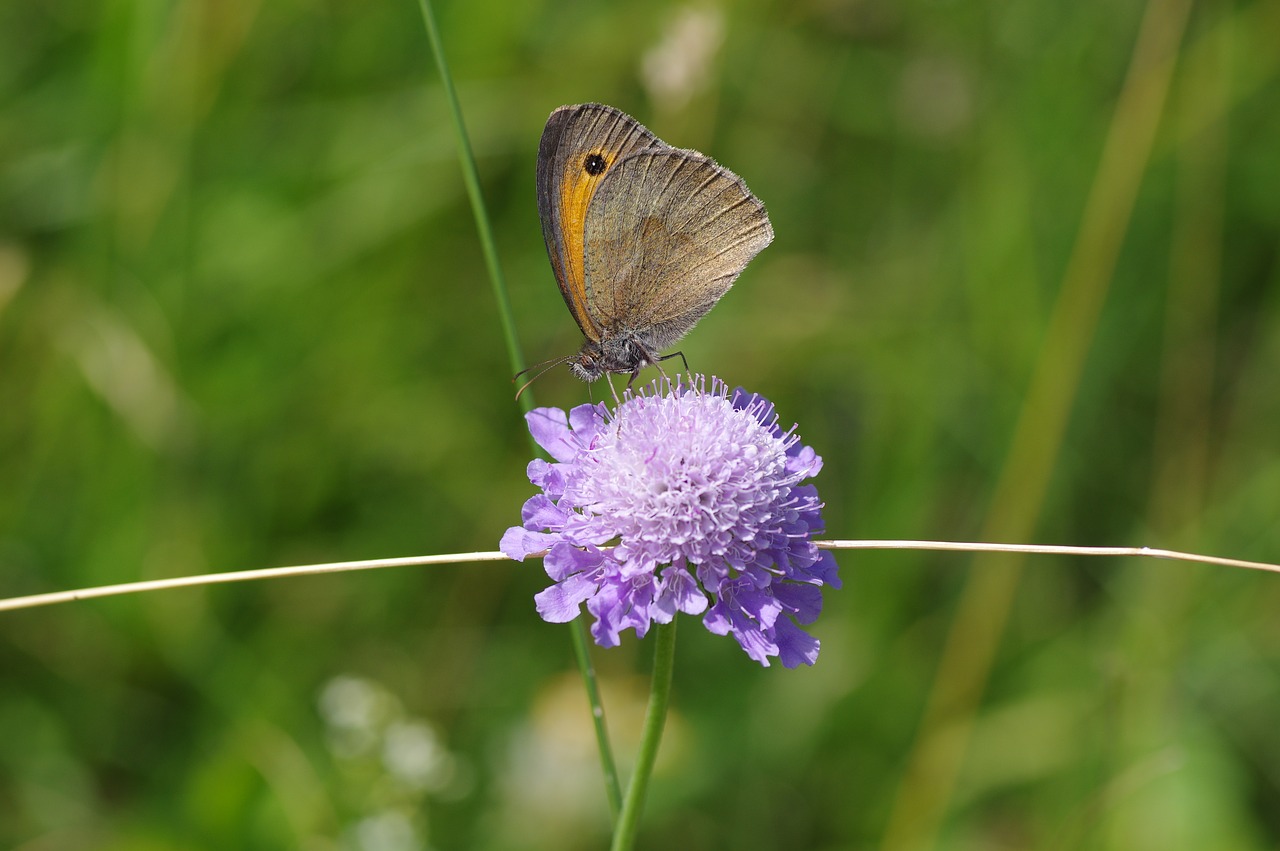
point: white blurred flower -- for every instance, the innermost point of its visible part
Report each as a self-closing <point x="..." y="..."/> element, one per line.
<point x="411" y="752"/>
<point x="678" y="66"/>
<point x="385" y="831"/>
<point x="355" y="710"/>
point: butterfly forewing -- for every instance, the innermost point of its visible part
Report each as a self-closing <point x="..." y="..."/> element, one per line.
<point x="580" y="146"/>
<point x="666" y="235"/>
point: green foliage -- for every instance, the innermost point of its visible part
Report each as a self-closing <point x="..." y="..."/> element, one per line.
<point x="244" y="322"/>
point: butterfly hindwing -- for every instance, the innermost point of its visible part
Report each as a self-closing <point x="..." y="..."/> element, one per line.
<point x="666" y="234"/>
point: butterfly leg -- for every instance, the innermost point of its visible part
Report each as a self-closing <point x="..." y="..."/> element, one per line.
<point x="683" y="359"/>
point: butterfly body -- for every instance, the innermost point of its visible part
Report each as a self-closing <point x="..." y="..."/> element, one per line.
<point x="643" y="238"/>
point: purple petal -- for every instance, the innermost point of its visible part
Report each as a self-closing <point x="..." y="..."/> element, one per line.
<point x="752" y="639"/>
<point x="565" y="560"/>
<point x="587" y="422"/>
<point x="825" y="569"/>
<point x="762" y="606"/>
<point x="680" y="593"/>
<point x="550" y="429"/>
<point x="587" y="531"/>
<point x="519" y="543"/>
<point x="717" y="619"/>
<point x="562" y="602"/>
<point x="539" y="512"/>
<point x="549" y="477"/>
<point x="635" y="605"/>
<point x="803" y="461"/>
<point x="795" y="646"/>
<point x="804" y="602"/>
<point x="607" y="609"/>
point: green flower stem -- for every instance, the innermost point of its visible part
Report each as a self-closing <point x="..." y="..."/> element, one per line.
<point x="581" y="651"/>
<point x="471" y="178"/>
<point x="624" y="834"/>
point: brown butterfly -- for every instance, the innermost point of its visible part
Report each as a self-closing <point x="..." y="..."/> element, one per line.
<point x="644" y="238"/>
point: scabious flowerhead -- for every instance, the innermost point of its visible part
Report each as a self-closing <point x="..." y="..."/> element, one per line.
<point x="700" y="491"/>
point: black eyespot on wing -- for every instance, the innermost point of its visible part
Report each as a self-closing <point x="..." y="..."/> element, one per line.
<point x="594" y="164"/>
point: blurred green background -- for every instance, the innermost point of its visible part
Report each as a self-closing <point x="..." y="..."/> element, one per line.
<point x="1024" y="287"/>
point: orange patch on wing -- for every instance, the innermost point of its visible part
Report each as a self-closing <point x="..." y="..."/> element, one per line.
<point x="575" y="196"/>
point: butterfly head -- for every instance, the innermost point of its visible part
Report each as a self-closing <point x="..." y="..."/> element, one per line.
<point x="618" y="352"/>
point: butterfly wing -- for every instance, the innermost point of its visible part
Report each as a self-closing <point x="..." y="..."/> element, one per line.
<point x="666" y="234"/>
<point x="580" y="146"/>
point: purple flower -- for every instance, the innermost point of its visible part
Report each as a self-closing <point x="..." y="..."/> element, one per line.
<point x="700" y="492"/>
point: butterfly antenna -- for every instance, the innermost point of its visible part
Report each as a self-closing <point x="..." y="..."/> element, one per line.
<point x="543" y="368"/>
<point x="540" y="365"/>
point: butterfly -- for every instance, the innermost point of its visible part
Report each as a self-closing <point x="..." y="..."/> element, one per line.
<point x="644" y="238"/>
